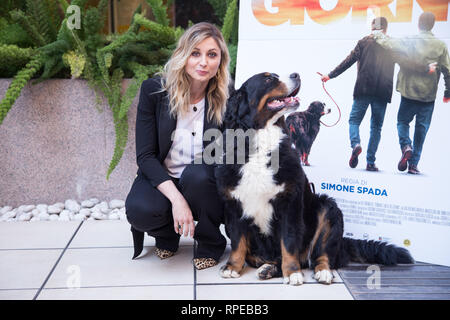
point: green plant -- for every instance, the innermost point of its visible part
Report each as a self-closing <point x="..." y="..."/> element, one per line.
<point x="230" y="32"/>
<point x="104" y="61"/>
<point x="13" y="58"/>
<point x="19" y="81"/>
<point x="220" y="8"/>
<point x="159" y="11"/>
<point x="13" y="33"/>
<point x="35" y="20"/>
<point x="140" y="53"/>
<point x="8" y="5"/>
<point x="87" y="53"/>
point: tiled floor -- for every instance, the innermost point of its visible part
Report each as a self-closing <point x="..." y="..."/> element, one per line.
<point x="92" y="260"/>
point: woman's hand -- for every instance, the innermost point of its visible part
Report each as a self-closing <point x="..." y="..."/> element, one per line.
<point x="183" y="222"/>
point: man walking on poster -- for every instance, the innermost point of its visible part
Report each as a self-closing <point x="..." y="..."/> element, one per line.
<point x="418" y="90"/>
<point x="374" y="85"/>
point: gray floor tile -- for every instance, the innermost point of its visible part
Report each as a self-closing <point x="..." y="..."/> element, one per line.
<point x="37" y="234"/>
<point x="314" y="291"/>
<point x="26" y="269"/>
<point x="115" y="233"/>
<point x="24" y="294"/>
<point x="399" y="282"/>
<point x="182" y="292"/>
<point x="114" y="267"/>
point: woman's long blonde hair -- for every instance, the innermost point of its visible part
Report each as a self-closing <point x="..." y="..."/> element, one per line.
<point x="176" y="81"/>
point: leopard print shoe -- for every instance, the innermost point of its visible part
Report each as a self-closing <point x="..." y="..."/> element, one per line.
<point x="203" y="263"/>
<point x="163" y="254"/>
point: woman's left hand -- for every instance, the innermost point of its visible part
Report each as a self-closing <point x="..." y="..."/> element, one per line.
<point x="182" y="214"/>
<point x="183" y="222"/>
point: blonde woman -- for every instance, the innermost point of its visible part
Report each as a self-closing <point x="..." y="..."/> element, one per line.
<point x="174" y="111"/>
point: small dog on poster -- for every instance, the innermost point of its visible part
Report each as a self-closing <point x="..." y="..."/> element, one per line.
<point x="304" y="127"/>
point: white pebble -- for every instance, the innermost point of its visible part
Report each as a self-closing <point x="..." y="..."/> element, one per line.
<point x="87" y="204"/>
<point x="5" y="210"/>
<point x="10" y="214"/>
<point x="114" y="216"/>
<point x="26" y="208"/>
<point x="64" y="214"/>
<point x="85" y="212"/>
<point x="36" y="212"/>
<point x="79" y="217"/>
<point x="103" y="205"/>
<point x="43" y="216"/>
<point x="72" y="205"/>
<point x="60" y="204"/>
<point x="53" y="209"/>
<point x="53" y="217"/>
<point x="94" y="201"/>
<point x="98" y="215"/>
<point x="116" y="204"/>
<point x="29" y="208"/>
<point x="4" y="217"/>
<point x="91" y="209"/>
<point x="42" y="207"/>
<point x="25" y="217"/>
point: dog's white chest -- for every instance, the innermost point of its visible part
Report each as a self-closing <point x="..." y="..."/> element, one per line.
<point x="257" y="186"/>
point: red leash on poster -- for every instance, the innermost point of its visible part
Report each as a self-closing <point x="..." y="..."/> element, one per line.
<point x="323" y="85"/>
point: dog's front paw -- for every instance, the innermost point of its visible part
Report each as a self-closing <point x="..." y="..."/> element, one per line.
<point x="324" y="276"/>
<point x="227" y="271"/>
<point x="266" y="271"/>
<point x="295" y="279"/>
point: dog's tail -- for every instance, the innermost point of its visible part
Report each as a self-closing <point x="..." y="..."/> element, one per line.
<point x="370" y="251"/>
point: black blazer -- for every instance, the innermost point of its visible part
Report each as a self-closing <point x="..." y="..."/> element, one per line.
<point x="154" y="127"/>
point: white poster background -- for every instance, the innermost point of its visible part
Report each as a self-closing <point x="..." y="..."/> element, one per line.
<point x="415" y="214"/>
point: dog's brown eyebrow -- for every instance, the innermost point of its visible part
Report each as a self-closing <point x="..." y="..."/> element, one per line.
<point x="267" y="74"/>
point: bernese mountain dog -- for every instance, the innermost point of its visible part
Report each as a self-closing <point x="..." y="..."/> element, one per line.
<point x="274" y="220"/>
<point x="304" y="127"/>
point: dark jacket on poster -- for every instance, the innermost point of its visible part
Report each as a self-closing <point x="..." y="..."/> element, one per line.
<point x="375" y="69"/>
<point x="154" y="127"/>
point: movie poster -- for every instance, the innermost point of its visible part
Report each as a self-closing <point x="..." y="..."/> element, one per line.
<point x="310" y="36"/>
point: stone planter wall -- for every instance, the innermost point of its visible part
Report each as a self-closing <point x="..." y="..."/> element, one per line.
<point x="56" y="145"/>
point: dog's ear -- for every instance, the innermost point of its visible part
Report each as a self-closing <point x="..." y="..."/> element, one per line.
<point x="238" y="113"/>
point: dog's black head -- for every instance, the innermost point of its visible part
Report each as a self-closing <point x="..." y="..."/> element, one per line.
<point x="318" y="108"/>
<point x="261" y="100"/>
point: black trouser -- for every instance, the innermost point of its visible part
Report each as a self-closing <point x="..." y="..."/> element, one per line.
<point x="148" y="210"/>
